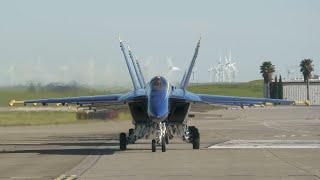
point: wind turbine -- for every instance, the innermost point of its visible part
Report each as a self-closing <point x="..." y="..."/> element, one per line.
<point x="91" y="72"/>
<point x="213" y="73"/>
<point x="172" y="68"/>
<point x="11" y="73"/>
<point x="230" y="68"/>
<point x="234" y="71"/>
<point x="226" y="69"/>
<point x="210" y="74"/>
<point x="221" y="72"/>
<point x="173" y="71"/>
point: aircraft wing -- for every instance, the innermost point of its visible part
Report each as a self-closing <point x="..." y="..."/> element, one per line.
<point x="182" y="95"/>
<point x="86" y="100"/>
<point x="241" y="101"/>
<point x="72" y="100"/>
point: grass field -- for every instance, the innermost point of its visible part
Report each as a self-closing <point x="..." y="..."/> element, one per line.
<point x="249" y="89"/>
<point x="22" y="93"/>
<point x="36" y="118"/>
<point x="21" y="118"/>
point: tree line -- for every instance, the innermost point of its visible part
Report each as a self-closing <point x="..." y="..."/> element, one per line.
<point x="267" y="69"/>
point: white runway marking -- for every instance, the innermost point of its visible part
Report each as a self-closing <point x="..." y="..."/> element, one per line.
<point x="252" y="144"/>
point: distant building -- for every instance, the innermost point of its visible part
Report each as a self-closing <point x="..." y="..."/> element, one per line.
<point x="317" y="77"/>
<point x="297" y="90"/>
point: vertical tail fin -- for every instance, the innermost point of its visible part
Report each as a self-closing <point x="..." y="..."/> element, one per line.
<point x="137" y="69"/>
<point x="185" y="80"/>
<point x="135" y="83"/>
<point x="141" y="74"/>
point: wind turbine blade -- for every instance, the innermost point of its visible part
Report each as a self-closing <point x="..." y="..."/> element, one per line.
<point x="169" y="61"/>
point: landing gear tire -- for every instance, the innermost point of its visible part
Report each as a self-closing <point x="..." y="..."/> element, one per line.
<point x="153" y="145"/>
<point x="123" y="141"/>
<point x="131" y="131"/>
<point x="195" y="137"/>
<point x="196" y="143"/>
<point x="163" y="145"/>
<point x="167" y="139"/>
<point x="130" y="134"/>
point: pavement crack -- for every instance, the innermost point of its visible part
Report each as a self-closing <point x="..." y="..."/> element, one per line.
<point x="292" y="164"/>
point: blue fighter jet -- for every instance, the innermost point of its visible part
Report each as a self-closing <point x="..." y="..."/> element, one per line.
<point x="158" y="108"/>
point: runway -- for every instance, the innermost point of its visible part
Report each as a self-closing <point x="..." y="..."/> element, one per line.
<point x="258" y="143"/>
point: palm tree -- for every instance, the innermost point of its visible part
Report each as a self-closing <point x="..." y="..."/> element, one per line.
<point x="306" y="67"/>
<point x="266" y="69"/>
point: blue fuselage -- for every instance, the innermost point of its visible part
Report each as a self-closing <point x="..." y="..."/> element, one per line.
<point x="158" y="99"/>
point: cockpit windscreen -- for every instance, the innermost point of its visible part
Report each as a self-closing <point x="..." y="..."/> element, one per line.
<point x="158" y="83"/>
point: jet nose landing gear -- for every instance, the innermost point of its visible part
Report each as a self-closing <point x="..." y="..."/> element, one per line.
<point x="162" y="144"/>
<point x="153" y="145"/>
<point x="160" y="137"/>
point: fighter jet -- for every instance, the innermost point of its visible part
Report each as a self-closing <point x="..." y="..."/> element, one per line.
<point x="158" y="108"/>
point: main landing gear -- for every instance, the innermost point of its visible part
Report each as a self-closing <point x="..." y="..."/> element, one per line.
<point x="154" y="143"/>
<point x="161" y="139"/>
<point x="194" y="137"/>
<point x="123" y="141"/>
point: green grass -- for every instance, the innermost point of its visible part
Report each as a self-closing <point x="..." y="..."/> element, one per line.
<point x="36" y="118"/>
<point x="19" y="118"/>
<point x="249" y="89"/>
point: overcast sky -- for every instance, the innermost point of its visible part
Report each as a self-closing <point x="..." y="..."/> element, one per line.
<point x="78" y="40"/>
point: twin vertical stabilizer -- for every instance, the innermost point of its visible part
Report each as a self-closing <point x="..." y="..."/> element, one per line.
<point x="137" y="69"/>
<point x="136" y="73"/>
<point x="186" y="77"/>
<point x="135" y="81"/>
<point x="134" y="68"/>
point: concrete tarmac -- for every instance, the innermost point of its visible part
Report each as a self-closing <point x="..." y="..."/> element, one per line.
<point x="258" y="143"/>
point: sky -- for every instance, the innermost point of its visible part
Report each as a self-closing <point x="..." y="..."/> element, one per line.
<point x="77" y="40"/>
